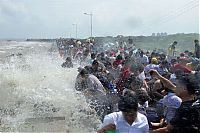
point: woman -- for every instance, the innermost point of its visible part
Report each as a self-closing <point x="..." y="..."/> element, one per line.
<point x="187" y="116"/>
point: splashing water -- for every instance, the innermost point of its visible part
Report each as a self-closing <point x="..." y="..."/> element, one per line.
<point x="37" y="94"/>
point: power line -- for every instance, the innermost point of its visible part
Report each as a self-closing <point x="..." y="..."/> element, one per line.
<point x="172" y="15"/>
<point x="191" y="3"/>
<point x="180" y="12"/>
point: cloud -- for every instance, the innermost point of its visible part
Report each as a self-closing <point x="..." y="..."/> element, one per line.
<point x="134" y="22"/>
<point x="17" y="20"/>
<point x="10" y="8"/>
<point x="54" y="18"/>
<point x="16" y="13"/>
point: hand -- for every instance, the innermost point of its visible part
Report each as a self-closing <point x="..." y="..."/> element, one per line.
<point x="154" y="73"/>
<point x="110" y="127"/>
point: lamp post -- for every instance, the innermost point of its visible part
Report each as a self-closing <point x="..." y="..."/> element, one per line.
<point x="90" y="21"/>
<point x="76" y="29"/>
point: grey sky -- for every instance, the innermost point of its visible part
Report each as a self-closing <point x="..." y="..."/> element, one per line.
<point x="54" y="18"/>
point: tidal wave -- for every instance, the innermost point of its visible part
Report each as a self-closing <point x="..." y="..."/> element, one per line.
<point x="37" y="94"/>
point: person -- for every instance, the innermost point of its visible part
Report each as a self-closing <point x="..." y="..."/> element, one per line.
<point x="88" y="83"/>
<point x="151" y="65"/>
<point x="192" y="65"/>
<point x="143" y="59"/>
<point x="170" y="103"/>
<point x="143" y="100"/>
<point x="137" y="69"/>
<point x="68" y="63"/>
<point x="172" y="50"/>
<point x="128" y="119"/>
<point x="187" y="116"/>
<point x="197" y="49"/>
<point x="93" y="91"/>
<point x="181" y="65"/>
<point x="162" y="68"/>
<point x="92" y="58"/>
<point x="115" y="71"/>
<point x="97" y="66"/>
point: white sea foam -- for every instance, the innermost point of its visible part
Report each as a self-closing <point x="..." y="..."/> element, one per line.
<point x="37" y="94"/>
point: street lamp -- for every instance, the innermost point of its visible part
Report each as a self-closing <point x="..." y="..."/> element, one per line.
<point x="76" y="29"/>
<point x="90" y="21"/>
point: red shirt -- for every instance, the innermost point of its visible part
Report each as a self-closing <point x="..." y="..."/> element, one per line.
<point x="125" y="74"/>
<point x="117" y="62"/>
<point x="181" y="67"/>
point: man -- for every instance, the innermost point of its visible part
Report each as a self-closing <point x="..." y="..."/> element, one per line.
<point x="192" y="65"/>
<point x="172" y="50"/>
<point x="89" y="84"/>
<point x="143" y="59"/>
<point x="68" y="63"/>
<point x="162" y="68"/>
<point x="181" y="65"/>
<point x="97" y="67"/>
<point x="128" y="119"/>
<point x="150" y="66"/>
<point x="187" y="116"/>
<point x="197" y="48"/>
<point x="93" y="91"/>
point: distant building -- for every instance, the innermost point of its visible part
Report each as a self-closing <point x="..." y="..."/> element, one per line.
<point x="109" y="36"/>
<point x="153" y="34"/>
<point x="158" y="34"/>
<point x="165" y="34"/>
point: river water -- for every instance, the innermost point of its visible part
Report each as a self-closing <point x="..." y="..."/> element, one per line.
<point x="37" y="94"/>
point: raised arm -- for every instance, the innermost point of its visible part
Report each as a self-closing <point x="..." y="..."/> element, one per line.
<point x="167" y="83"/>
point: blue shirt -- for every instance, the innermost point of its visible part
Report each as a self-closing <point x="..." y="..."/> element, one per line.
<point x="171" y="103"/>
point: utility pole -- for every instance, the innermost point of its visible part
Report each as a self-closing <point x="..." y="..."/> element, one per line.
<point x="90" y="14"/>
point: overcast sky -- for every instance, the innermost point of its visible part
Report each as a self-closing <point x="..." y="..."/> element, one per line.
<point x="54" y="18"/>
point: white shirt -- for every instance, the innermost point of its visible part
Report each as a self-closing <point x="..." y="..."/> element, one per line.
<point x="140" y="125"/>
<point x="142" y="76"/>
<point x="92" y="83"/>
<point x="95" y="84"/>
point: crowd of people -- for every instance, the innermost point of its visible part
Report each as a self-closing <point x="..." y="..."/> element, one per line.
<point x="137" y="91"/>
